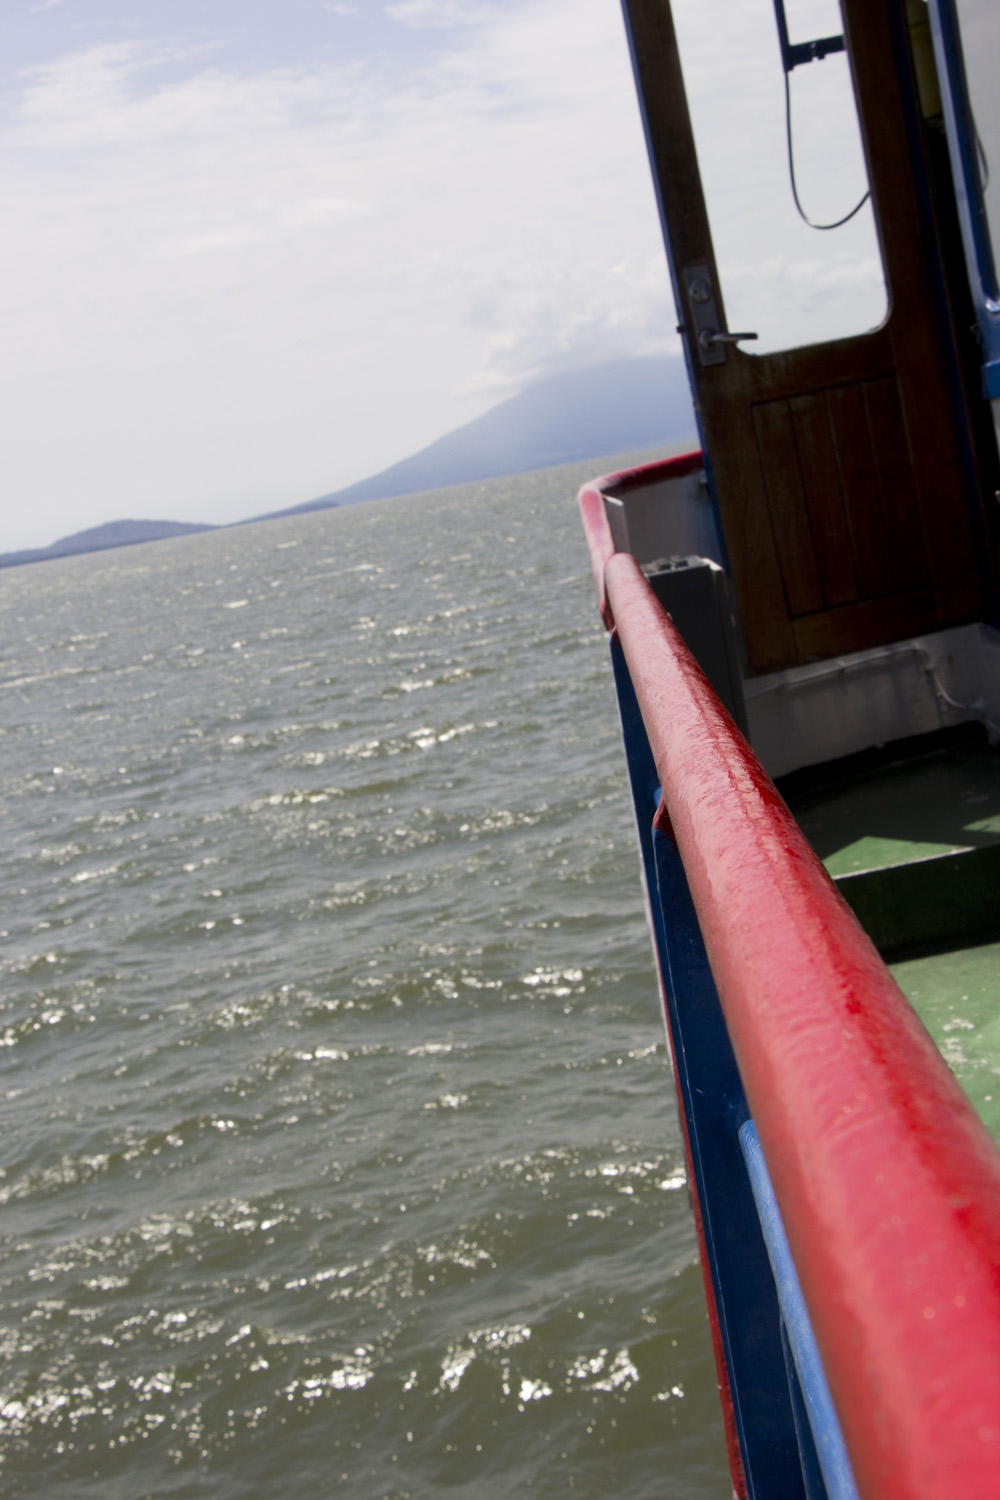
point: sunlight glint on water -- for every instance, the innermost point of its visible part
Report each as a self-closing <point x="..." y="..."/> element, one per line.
<point x="338" y="1140"/>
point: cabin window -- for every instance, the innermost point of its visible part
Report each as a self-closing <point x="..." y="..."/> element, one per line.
<point x="979" y="21"/>
<point x="790" y="283"/>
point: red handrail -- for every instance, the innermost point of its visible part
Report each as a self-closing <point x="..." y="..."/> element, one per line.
<point x="599" y="542"/>
<point x="888" y="1182"/>
<point x="595" y="521"/>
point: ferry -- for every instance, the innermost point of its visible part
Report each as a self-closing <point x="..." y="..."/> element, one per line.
<point x="804" y="622"/>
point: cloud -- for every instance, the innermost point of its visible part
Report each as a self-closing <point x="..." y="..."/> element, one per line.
<point x="436" y="13"/>
<point x="227" y="289"/>
<point x="226" y="286"/>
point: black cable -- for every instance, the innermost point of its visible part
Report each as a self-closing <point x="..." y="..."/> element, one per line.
<point x="791" y="172"/>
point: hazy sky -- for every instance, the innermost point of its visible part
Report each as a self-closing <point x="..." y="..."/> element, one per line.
<point x="253" y="250"/>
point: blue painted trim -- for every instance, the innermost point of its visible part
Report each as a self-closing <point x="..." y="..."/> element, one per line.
<point x="961" y="135"/>
<point x="714" y="1107"/>
<point x="812" y="1474"/>
<point x="950" y="353"/>
<point x="991" y="379"/>
<point x="823" y="1421"/>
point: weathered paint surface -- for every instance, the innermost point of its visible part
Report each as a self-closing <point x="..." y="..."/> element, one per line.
<point x="888" y="1183"/>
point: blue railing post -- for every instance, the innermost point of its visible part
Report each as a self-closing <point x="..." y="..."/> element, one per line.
<point x="824" y="1426"/>
<point x="714" y="1107"/>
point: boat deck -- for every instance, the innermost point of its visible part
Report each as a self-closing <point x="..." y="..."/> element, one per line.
<point x="955" y="995"/>
<point x="911" y="833"/>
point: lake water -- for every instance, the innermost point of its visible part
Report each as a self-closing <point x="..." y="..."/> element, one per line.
<point x="339" y="1151"/>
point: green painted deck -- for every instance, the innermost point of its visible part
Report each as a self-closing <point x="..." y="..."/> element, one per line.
<point x="957" y="996"/>
<point x="912" y="836"/>
<point x="887" y="808"/>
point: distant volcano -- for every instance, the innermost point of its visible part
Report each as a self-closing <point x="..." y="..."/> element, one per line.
<point x="612" y="408"/>
<point x="619" y="407"/>
<point x="100" y="538"/>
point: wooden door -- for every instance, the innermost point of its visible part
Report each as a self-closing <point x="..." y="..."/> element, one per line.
<point x="837" y="467"/>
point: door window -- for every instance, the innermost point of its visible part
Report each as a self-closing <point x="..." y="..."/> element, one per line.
<point x="788" y="282"/>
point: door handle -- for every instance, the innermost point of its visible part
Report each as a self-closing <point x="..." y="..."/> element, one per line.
<point x="710" y="338"/>
<point x="704" y="317"/>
